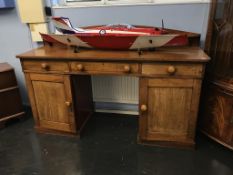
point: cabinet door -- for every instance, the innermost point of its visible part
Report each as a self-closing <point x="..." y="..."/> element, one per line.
<point x="168" y="109"/>
<point x="51" y="101"/>
<point x="217" y="114"/>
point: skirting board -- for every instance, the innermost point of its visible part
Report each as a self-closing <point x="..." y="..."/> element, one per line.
<point x="119" y="108"/>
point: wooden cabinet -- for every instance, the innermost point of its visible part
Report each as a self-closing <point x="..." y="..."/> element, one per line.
<point x="52" y="101"/>
<point x="10" y="100"/>
<point x="216" y="119"/>
<point x="59" y="84"/>
<point x="168" y="110"/>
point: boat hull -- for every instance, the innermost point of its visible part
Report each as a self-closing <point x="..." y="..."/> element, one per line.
<point x="117" y="42"/>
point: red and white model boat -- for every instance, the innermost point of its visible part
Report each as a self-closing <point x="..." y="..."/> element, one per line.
<point x="116" y="36"/>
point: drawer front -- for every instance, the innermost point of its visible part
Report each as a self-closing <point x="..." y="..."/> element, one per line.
<point x="45" y="66"/>
<point x="106" y="67"/>
<point x="7" y="79"/>
<point x="166" y="69"/>
<point x="10" y="103"/>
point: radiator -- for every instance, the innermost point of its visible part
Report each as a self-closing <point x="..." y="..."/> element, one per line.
<point x="116" y="90"/>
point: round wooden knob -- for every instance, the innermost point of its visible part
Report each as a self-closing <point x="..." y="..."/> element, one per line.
<point x="68" y="104"/>
<point x="45" y="66"/>
<point x="143" y="108"/>
<point x="80" y="67"/>
<point x="171" y="70"/>
<point x="126" y="68"/>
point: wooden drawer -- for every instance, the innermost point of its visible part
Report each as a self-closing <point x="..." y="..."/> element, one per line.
<point x="105" y="67"/>
<point x="10" y="103"/>
<point x="166" y="69"/>
<point x="7" y="79"/>
<point x="45" y="66"/>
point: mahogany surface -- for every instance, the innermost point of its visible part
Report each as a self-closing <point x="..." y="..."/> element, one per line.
<point x="176" y="54"/>
<point x="170" y="84"/>
<point x="10" y="99"/>
<point x="5" y="67"/>
<point x="217" y="110"/>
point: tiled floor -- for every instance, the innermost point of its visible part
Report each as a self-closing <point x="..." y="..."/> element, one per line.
<point x="107" y="147"/>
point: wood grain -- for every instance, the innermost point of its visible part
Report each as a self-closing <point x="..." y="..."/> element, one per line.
<point x="210" y="26"/>
<point x="143" y="100"/>
<point x="5" y="67"/>
<point x="172" y="109"/>
<point x="105" y="67"/>
<point x="32" y="99"/>
<point x="185" y="70"/>
<point x="10" y="103"/>
<point x="217" y="99"/>
<point x="177" y="54"/>
<point x="10" y="99"/>
<point x="216" y="118"/>
<point x="50" y="95"/>
<point x="59" y="83"/>
<point x="7" y="76"/>
<point x="46" y="66"/>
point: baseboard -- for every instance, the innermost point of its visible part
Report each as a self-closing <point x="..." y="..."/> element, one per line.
<point x="118" y="108"/>
<point x="116" y="111"/>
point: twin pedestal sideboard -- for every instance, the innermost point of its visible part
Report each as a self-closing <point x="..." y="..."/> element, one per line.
<point x="60" y="92"/>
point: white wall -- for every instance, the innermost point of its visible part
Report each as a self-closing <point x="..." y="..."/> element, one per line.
<point x="14" y="39"/>
<point x="188" y="17"/>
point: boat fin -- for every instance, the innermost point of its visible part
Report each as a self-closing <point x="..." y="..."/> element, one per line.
<point x="64" y="25"/>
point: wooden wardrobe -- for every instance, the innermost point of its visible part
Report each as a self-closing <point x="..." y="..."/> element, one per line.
<point x="216" y="119"/>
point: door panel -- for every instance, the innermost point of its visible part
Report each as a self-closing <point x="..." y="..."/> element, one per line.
<point x="50" y="101"/>
<point x="171" y="113"/>
<point x="168" y="110"/>
<point x="53" y="102"/>
<point x="217" y="116"/>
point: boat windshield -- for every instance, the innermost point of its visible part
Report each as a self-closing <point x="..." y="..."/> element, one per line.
<point x="79" y="29"/>
<point x="128" y="26"/>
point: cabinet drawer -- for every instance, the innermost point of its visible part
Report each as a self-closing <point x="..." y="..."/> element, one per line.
<point x="10" y="103"/>
<point x="7" y="79"/>
<point x="45" y="66"/>
<point x="166" y="69"/>
<point x="98" y="68"/>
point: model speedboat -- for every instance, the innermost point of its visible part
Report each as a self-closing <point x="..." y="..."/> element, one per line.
<point x="114" y="36"/>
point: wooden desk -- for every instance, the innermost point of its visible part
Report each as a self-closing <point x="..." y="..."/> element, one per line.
<point x="59" y="87"/>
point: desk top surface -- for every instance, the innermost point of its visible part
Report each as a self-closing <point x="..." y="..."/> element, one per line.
<point x="5" y="67"/>
<point x="184" y="54"/>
